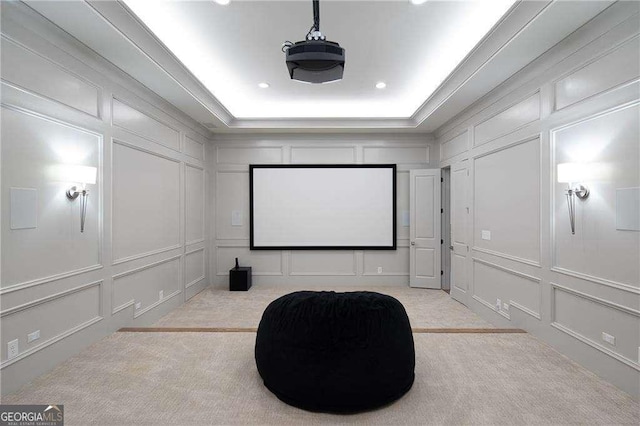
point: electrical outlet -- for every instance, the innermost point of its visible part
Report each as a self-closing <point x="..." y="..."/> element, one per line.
<point x="12" y="349"/>
<point x="33" y="336"/>
<point x="379" y="269"/>
<point x="498" y="304"/>
<point x="138" y="305"/>
<point x="161" y="294"/>
<point x="486" y="235"/>
<point x="505" y="307"/>
<point x="609" y="338"/>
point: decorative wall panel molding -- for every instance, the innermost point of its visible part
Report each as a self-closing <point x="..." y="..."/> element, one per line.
<point x="526" y="297"/>
<point x="146" y="213"/>
<point x="310" y="154"/>
<point x="616" y="67"/>
<point x="82" y="307"/>
<point x="193" y="148"/>
<point x="144" y="125"/>
<point x="507" y="121"/>
<point x="249" y="154"/>
<point x="25" y="68"/>
<point x="585" y="317"/>
<point x="143" y="285"/>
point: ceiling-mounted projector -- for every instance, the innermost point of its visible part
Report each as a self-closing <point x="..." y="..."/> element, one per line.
<point x="314" y="60"/>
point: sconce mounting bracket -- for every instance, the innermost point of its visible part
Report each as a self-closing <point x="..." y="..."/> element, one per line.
<point x="581" y="192"/>
<point x="72" y="193"/>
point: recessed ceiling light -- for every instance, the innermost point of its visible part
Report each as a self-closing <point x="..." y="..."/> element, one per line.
<point x="223" y="2"/>
<point x="381" y="85"/>
<point x="417" y="2"/>
<point x="263" y="85"/>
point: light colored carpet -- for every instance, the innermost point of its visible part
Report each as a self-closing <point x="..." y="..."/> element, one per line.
<point x="210" y="378"/>
<point x="224" y="308"/>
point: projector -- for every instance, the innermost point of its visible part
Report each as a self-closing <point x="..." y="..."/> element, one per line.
<point x="314" y="60"/>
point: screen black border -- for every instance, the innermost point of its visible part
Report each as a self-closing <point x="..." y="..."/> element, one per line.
<point x="322" y="166"/>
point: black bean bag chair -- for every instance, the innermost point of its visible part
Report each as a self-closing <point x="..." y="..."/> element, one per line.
<point x="336" y="352"/>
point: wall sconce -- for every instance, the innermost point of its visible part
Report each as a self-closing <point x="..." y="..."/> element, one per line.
<point x="573" y="174"/>
<point x="82" y="175"/>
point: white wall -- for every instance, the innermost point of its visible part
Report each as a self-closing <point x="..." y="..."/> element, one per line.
<point x="229" y="161"/>
<point x="146" y="230"/>
<point x="579" y="102"/>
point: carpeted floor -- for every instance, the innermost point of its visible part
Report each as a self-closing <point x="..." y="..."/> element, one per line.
<point x="210" y="378"/>
<point x="198" y="379"/>
<point x="223" y="308"/>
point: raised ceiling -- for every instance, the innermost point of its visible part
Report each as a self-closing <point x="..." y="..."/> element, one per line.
<point x="436" y="58"/>
<point x="233" y="48"/>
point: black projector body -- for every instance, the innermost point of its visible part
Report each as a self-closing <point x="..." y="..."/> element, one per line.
<point x="315" y="61"/>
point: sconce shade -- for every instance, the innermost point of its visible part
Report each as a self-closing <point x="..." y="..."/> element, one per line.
<point x="80" y="174"/>
<point x="572" y="172"/>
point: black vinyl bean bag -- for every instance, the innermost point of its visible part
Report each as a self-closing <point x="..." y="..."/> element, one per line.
<point x="336" y="352"/>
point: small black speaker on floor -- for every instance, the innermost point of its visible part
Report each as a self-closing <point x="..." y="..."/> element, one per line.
<point x="240" y="278"/>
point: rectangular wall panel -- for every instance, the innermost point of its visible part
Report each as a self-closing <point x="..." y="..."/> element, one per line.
<point x="322" y="263"/>
<point x="257" y="155"/>
<point x="26" y="69"/>
<point x="146" y="210"/>
<point x="261" y="262"/>
<point x="194" y="267"/>
<point x="54" y="317"/>
<point x="618" y="67"/>
<point x="396" y="155"/>
<point x="456" y="145"/>
<point x="491" y="281"/>
<point x="194" y="200"/>
<point x="35" y="154"/>
<point x="142" y="124"/>
<point x="598" y="250"/>
<point x="144" y="285"/>
<point x="507" y="201"/>
<point x="232" y="195"/>
<point x="402" y="205"/>
<point x="587" y="318"/>
<point x="193" y="148"/>
<point x="396" y="263"/>
<point x="322" y="155"/>
<point x="508" y="121"/>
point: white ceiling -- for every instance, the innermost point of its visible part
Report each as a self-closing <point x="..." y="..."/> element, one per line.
<point x="232" y="48"/>
<point x="381" y="39"/>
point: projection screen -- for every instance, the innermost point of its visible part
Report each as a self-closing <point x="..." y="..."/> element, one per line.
<point x="321" y="206"/>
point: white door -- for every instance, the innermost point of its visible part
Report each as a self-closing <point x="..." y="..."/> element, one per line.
<point x="459" y="225"/>
<point x="424" y="225"/>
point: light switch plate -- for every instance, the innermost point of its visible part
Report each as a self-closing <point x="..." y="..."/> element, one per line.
<point x="405" y="218"/>
<point x="486" y="235"/>
<point x="24" y="208"/>
<point x="236" y="218"/>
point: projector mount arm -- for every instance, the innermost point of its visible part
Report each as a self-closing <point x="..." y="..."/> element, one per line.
<point x="314" y="33"/>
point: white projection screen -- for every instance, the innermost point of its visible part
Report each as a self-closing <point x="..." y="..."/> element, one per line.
<point x="322" y="206"/>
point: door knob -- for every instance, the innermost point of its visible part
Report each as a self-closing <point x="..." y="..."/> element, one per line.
<point x="413" y="243"/>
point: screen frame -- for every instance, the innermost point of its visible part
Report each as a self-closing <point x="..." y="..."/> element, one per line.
<point x="393" y="168"/>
